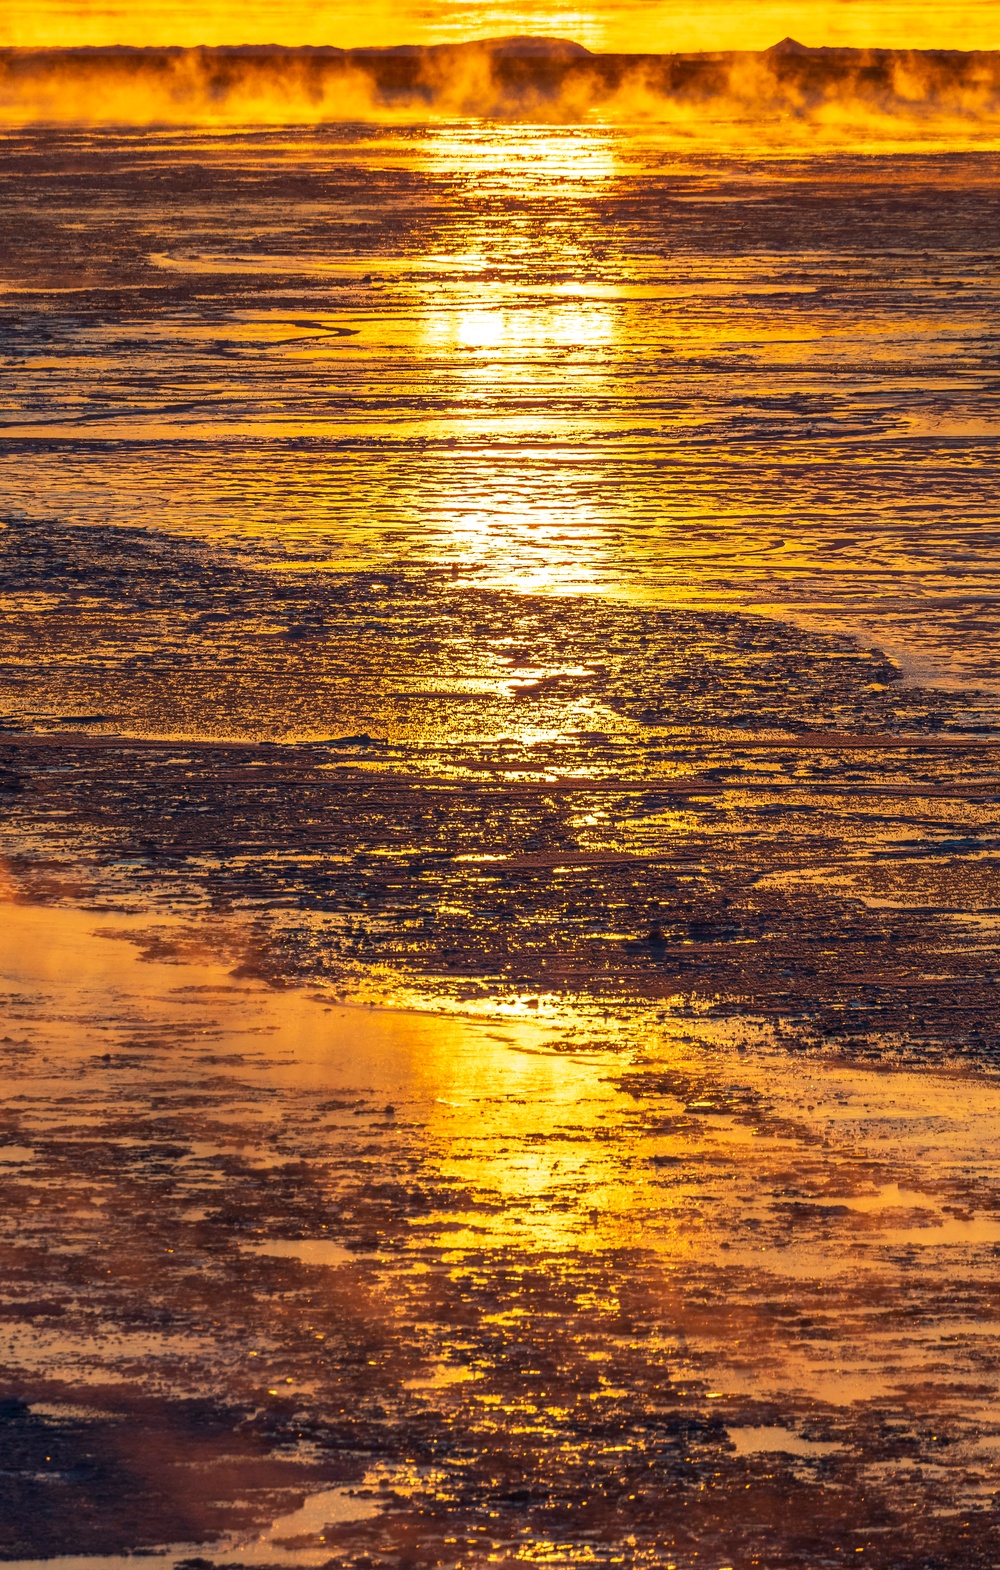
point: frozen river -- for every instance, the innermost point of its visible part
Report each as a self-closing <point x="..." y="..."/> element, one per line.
<point x="501" y="816"/>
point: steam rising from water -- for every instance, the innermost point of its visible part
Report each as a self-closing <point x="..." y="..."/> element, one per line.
<point x="840" y="97"/>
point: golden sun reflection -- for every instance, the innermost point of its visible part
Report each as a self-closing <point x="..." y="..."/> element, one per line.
<point x="513" y="357"/>
<point x="517" y="1111"/>
<point x="510" y="540"/>
<point x="529" y="161"/>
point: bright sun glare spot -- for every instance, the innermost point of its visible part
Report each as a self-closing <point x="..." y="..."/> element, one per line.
<point x="481" y="329"/>
<point x="526" y="160"/>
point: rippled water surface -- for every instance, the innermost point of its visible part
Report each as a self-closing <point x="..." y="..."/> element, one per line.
<point x="563" y="359"/>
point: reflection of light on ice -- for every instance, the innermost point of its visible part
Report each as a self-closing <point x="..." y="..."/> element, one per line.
<point x="512" y="361"/>
<point x="481" y="329"/>
<point x="524" y="546"/>
<point x="556" y="319"/>
<point x="528" y="157"/>
<point x="535" y="532"/>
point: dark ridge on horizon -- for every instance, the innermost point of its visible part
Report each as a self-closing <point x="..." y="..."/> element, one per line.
<point x="515" y="47"/>
<point x="519" y="78"/>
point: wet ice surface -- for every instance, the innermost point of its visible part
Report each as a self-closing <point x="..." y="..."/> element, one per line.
<point x="452" y="571"/>
<point x="564" y="358"/>
<point x="288" y="1283"/>
<point x="501" y="800"/>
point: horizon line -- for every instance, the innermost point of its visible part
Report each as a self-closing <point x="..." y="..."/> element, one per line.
<point x="787" y="45"/>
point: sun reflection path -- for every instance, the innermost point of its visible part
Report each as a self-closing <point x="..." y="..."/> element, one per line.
<point x="543" y="342"/>
<point x="526" y="160"/>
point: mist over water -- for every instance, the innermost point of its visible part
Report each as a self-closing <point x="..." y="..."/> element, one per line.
<point x="782" y="97"/>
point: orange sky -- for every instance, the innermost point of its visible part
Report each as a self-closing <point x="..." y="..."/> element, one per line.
<point x="608" y="24"/>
